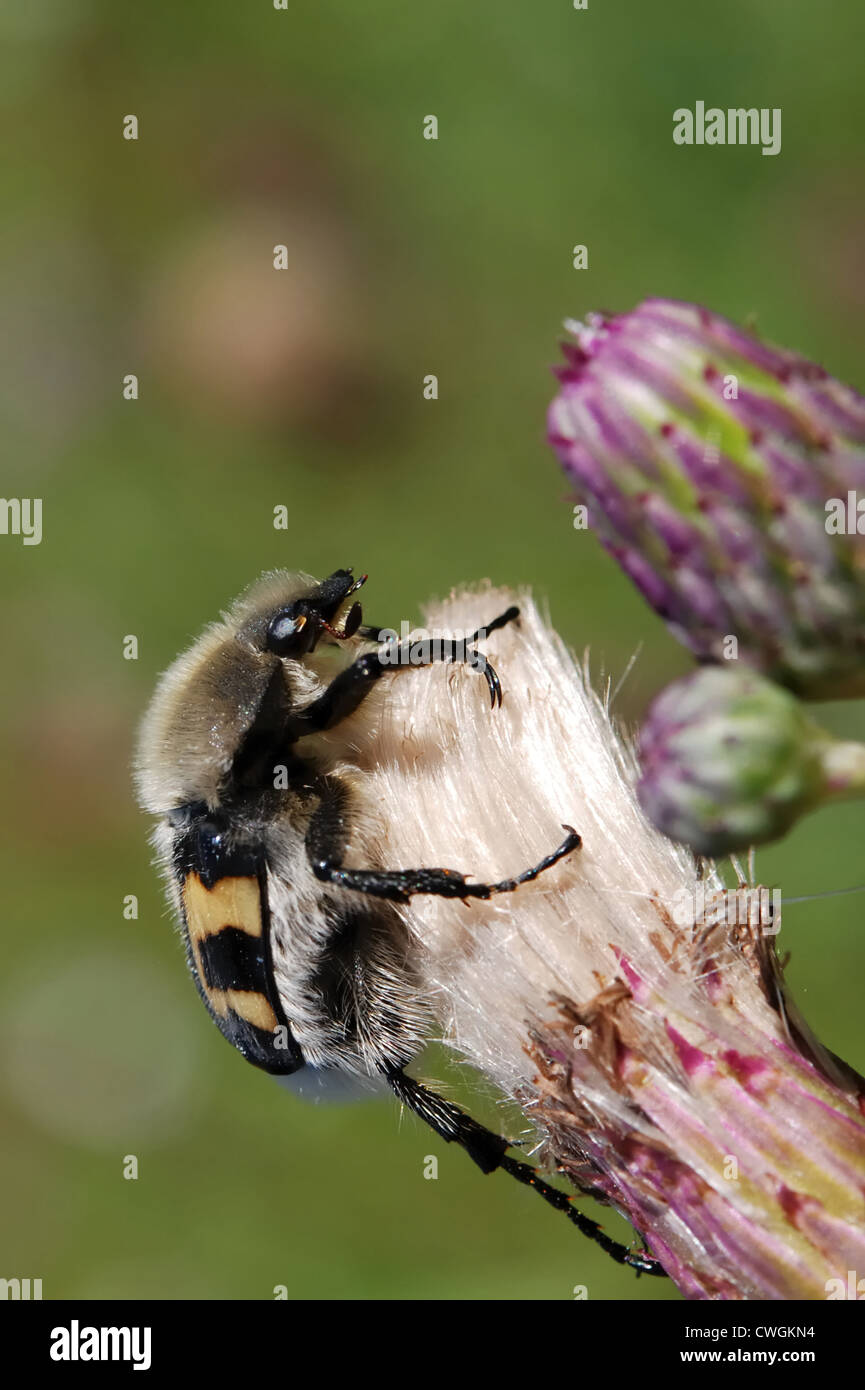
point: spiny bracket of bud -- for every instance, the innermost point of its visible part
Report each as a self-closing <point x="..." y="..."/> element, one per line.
<point x="731" y="760"/>
<point x="718" y="471"/>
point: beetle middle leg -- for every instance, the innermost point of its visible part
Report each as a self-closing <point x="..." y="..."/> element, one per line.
<point x="325" y="847"/>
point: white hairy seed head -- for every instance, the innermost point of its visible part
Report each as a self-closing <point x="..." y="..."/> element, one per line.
<point x="657" y="1054"/>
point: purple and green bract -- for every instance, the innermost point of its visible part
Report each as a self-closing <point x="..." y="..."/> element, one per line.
<point x="706" y="459"/>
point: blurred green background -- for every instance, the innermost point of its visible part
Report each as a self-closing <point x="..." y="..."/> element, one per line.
<point x="304" y="388"/>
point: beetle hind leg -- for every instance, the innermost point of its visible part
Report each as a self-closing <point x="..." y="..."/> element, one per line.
<point x="489" y="1152"/>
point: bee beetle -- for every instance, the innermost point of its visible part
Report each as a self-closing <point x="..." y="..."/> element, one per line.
<point x="245" y="757"/>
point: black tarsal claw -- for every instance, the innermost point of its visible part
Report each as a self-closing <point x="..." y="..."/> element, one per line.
<point x="643" y="1263"/>
<point x="574" y="839"/>
<point x="494" y="684"/>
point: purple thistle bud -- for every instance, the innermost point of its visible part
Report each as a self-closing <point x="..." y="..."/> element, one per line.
<point x="725" y="477"/>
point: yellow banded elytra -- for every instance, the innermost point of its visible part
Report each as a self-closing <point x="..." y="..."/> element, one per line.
<point x="223" y="894"/>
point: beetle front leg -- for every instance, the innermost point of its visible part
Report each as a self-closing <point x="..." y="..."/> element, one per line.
<point x="350" y="688"/>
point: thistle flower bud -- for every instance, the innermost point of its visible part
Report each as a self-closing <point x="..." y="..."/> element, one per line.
<point x="724" y="476"/>
<point x="729" y="760"/>
<point x="643" y="1028"/>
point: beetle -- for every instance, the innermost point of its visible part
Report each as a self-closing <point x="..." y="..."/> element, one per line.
<point x="302" y="959"/>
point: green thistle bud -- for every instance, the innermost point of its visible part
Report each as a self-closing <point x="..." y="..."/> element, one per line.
<point x="731" y="760"/>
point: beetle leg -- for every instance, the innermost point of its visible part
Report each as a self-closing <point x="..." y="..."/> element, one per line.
<point x="489" y="1152"/>
<point x="350" y="688"/>
<point x="325" y="843"/>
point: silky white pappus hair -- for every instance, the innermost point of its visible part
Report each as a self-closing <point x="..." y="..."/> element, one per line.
<point x="487" y="791"/>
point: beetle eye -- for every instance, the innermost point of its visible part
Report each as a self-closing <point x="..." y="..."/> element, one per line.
<point x="284" y="633"/>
